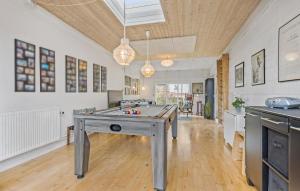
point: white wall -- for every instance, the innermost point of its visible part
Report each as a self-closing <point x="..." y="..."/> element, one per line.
<point x="18" y="19"/>
<point x="261" y="32"/>
<point x="174" y="76"/>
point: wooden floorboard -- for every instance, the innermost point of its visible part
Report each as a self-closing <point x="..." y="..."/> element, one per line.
<point x="197" y="161"/>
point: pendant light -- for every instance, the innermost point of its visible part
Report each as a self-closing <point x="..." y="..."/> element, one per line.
<point x="167" y="63"/>
<point x="147" y="70"/>
<point x="124" y="54"/>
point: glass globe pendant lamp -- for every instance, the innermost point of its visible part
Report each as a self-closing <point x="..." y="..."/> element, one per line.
<point x="147" y="70"/>
<point x="124" y="54"/>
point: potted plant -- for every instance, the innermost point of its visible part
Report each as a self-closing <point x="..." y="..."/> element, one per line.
<point x="238" y="104"/>
<point x="207" y="110"/>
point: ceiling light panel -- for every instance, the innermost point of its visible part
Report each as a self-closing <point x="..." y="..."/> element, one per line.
<point x="137" y="11"/>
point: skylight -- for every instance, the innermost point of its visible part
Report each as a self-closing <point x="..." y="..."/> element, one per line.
<point x="137" y="11"/>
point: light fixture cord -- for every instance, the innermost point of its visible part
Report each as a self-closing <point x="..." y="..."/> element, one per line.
<point x="124" y="20"/>
<point x="148" y="45"/>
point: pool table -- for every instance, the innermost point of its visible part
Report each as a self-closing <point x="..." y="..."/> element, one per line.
<point x="152" y="120"/>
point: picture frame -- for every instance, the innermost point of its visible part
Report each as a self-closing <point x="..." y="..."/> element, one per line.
<point x="24" y="66"/>
<point x="258" y="73"/>
<point x="239" y="75"/>
<point x="138" y="83"/>
<point x="71" y="77"/>
<point x="82" y="76"/>
<point x="133" y="86"/>
<point x="127" y="80"/>
<point x="103" y="71"/>
<point x="127" y="85"/>
<point x="96" y="78"/>
<point x="47" y="70"/>
<point x="197" y="88"/>
<point x="289" y="51"/>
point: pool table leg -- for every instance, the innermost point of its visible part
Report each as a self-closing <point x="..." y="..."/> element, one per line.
<point x="82" y="148"/>
<point x="159" y="158"/>
<point x="174" y="126"/>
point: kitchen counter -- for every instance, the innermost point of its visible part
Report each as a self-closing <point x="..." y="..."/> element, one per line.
<point x="293" y="113"/>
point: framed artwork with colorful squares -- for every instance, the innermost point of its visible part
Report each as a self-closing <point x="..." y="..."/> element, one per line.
<point x="24" y="66"/>
<point x="47" y="70"/>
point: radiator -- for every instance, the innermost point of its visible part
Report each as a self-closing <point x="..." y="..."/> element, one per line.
<point x="24" y="131"/>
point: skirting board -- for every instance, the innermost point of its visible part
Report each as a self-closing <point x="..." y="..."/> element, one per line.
<point x="25" y="157"/>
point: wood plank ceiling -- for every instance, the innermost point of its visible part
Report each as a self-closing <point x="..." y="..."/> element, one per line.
<point x="213" y="22"/>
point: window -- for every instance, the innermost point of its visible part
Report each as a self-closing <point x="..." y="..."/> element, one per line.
<point x="171" y="93"/>
<point x="137" y="11"/>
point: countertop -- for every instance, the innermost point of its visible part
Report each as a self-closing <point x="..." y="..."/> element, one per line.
<point x="233" y="112"/>
<point x="294" y="113"/>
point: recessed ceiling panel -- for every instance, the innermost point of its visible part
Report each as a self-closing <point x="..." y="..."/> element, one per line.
<point x="137" y="11"/>
<point x="184" y="44"/>
<point x="166" y="45"/>
<point x="199" y="63"/>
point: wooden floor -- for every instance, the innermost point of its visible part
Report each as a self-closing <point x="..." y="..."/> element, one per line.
<point x="197" y="161"/>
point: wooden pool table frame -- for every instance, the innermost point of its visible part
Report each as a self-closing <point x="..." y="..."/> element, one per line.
<point x="154" y="127"/>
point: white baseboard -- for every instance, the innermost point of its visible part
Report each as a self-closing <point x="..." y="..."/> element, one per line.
<point x="25" y="157"/>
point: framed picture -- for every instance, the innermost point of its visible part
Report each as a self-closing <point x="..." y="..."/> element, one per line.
<point x="126" y="91"/>
<point x="96" y="78"/>
<point x="197" y="88"/>
<point x="70" y="74"/>
<point x="133" y="86"/>
<point x="138" y="83"/>
<point x="103" y="78"/>
<point x="239" y="75"/>
<point x="127" y="81"/>
<point x="289" y="51"/>
<point x="82" y="76"/>
<point x="127" y="86"/>
<point x="47" y="70"/>
<point x="24" y="66"/>
<point x="258" y="68"/>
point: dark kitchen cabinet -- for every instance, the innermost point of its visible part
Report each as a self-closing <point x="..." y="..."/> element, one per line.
<point x="253" y="134"/>
<point x="272" y="147"/>
<point x="295" y="154"/>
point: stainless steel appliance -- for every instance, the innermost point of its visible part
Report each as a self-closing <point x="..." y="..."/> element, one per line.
<point x="282" y="102"/>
